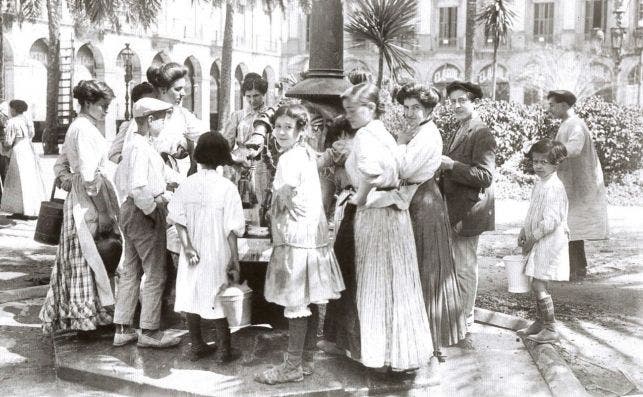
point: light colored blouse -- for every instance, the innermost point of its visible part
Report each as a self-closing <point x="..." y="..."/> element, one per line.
<point x="240" y="126"/>
<point x="420" y="158"/>
<point x="181" y="127"/>
<point x="85" y="150"/>
<point x="374" y="160"/>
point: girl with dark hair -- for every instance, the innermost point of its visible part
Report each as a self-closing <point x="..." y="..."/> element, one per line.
<point x="303" y="271"/>
<point x="183" y="128"/>
<point x="207" y="212"/>
<point x="394" y="327"/>
<point x="247" y="141"/>
<point x="79" y="288"/>
<point x="544" y="237"/>
<point x="24" y="187"/>
<point x="420" y="152"/>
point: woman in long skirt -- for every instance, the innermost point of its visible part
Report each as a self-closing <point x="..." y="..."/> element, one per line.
<point x="80" y="293"/>
<point x="24" y="188"/>
<point x="394" y="327"/>
<point x="420" y="150"/>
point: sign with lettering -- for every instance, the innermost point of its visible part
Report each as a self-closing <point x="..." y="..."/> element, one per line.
<point x="486" y="74"/>
<point x="446" y="73"/>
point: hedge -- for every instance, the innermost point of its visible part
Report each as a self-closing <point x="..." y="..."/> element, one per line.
<point x="617" y="130"/>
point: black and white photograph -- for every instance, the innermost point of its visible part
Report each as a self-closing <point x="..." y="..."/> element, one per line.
<point x="321" y="198"/>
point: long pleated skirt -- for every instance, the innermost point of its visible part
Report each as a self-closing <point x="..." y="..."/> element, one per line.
<point x="436" y="264"/>
<point x="394" y="326"/>
<point x="341" y="324"/>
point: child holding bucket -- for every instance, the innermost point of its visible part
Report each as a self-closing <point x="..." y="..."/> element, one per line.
<point x="544" y="237"/>
<point x="207" y="212"/>
<point x="303" y="269"/>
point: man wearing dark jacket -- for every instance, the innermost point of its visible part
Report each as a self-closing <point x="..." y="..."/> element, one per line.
<point x="467" y="168"/>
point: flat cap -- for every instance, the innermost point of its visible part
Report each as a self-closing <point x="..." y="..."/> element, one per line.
<point x="562" y="96"/>
<point x="146" y="106"/>
<point x="467" y="86"/>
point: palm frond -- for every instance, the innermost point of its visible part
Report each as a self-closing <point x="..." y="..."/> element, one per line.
<point x="139" y="12"/>
<point x="384" y="23"/>
<point x="143" y="12"/>
<point x="496" y="18"/>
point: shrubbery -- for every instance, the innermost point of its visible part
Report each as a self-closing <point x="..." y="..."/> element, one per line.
<point x="617" y="130"/>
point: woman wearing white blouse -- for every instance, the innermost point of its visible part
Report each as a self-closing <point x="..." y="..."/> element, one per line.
<point x="79" y="288"/>
<point x="394" y="327"/>
<point x="420" y="151"/>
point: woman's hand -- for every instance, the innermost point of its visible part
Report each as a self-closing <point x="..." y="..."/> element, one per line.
<point x="105" y="224"/>
<point x="233" y="270"/>
<point x="529" y="244"/>
<point x="521" y="238"/>
<point x="192" y="255"/>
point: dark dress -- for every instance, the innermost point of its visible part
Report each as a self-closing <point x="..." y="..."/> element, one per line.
<point x="432" y="233"/>
<point x="341" y="323"/>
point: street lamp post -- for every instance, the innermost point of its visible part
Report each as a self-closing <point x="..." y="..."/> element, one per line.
<point x="638" y="42"/>
<point x="127" y="63"/>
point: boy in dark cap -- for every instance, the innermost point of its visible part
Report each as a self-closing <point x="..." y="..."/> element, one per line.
<point x="468" y="165"/>
<point x="582" y="177"/>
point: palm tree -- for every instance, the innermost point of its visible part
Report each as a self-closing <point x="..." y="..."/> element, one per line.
<point x="468" y="38"/>
<point x="384" y="23"/>
<point x="139" y="12"/>
<point x="11" y="11"/>
<point x="226" y="50"/>
<point x="497" y="19"/>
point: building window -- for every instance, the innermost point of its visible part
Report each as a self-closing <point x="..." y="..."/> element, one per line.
<point x="544" y="22"/>
<point x="448" y="33"/>
<point x="595" y="15"/>
<point x="640" y="14"/>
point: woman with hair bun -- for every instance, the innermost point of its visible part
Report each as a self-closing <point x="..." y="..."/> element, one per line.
<point x="246" y="132"/>
<point x="420" y="151"/>
<point x="79" y="289"/>
<point x="183" y="129"/>
<point x="24" y="187"/>
<point x="394" y="328"/>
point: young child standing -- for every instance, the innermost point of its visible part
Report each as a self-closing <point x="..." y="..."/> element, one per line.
<point x="207" y="212"/>
<point x="544" y="237"/>
<point x="303" y="269"/>
<point x="141" y="181"/>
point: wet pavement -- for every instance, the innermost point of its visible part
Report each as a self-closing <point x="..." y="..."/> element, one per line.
<point x="499" y="366"/>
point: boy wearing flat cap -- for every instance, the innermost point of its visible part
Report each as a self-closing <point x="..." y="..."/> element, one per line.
<point x="141" y="183"/>
<point x="582" y="177"/>
<point x="468" y="165"/>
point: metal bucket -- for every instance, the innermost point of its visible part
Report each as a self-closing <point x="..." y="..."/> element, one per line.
<point x="50" y="220"/>
<point x="517" y="280"/>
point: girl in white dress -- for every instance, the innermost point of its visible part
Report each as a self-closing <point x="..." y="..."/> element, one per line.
<point x="207" y="212"/>
<point x="303" y="268"/>
<point x="544" y="238"/>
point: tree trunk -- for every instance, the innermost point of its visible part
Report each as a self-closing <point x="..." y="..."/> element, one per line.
<point x="2" y="49"/>
<point x="380" y="69"/>
<point x="50" y="134"/>
<point x="468" y="39"/>
<point x="226" y="67"/>
<point x="496" y="42"/>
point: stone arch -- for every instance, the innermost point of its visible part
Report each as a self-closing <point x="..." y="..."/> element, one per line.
<point x="268" y="74"/>
<point x="445" y="74"/>
<point x="194" y="80"/>
<point x="119" y="89"/>
<point x="485" y="77"/>
<point x="239" y="72"/>
<point x="7" y="62"/>
<point x="36" y="84"/>
<point x="215" y="84"/>
<point x="91" y="59"/>
<point x="160" y="58"/>
<point x="634" y="75"/>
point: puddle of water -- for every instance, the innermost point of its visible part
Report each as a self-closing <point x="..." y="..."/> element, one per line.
<point x="11" y="275"/>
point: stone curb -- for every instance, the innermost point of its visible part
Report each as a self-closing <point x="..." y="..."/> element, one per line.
<point x="559" y="377"/>
<point x="17" y="294"/>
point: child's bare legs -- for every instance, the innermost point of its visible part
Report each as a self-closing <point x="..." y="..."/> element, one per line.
<point x="548" y="333"/>
<point x="291" y="369"/>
